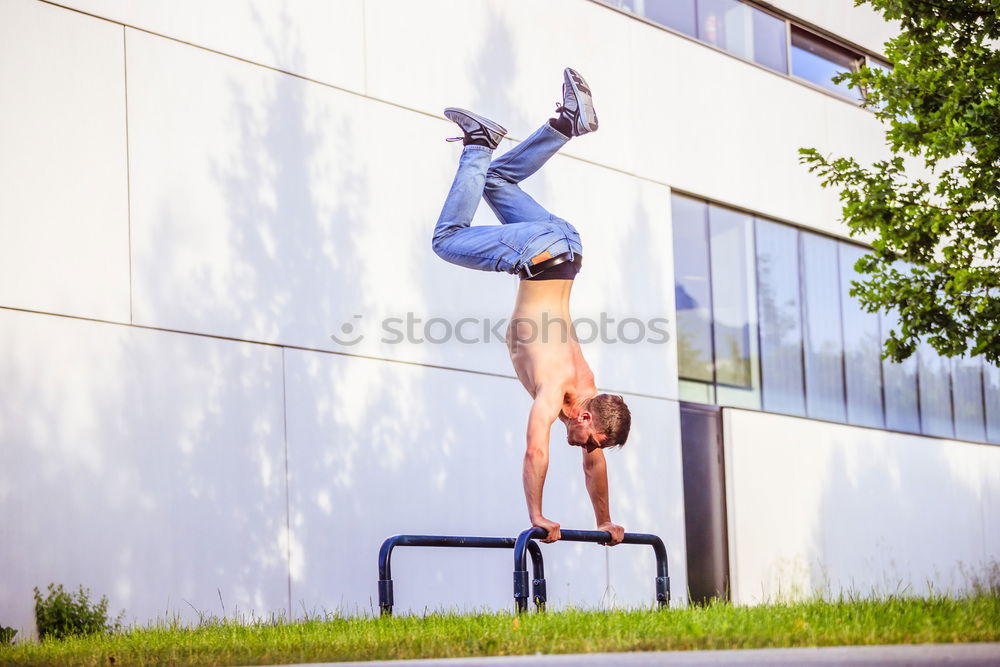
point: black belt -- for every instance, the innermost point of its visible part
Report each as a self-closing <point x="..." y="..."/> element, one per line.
<point x="532" y="270"/>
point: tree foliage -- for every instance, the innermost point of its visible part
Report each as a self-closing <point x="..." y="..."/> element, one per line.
<point x="932" y="208"/>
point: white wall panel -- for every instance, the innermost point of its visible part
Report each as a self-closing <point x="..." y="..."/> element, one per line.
<point x="377" y="449"/>
<point x="273" y="209"/>
<point x="147" y="466"/>
<point x="64" y="207"/>
<point x="816" y="507"/>
<point x="853" y="132"/>
<point x="318" y="39"/>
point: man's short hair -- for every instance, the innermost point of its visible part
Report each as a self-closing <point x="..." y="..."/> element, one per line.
<point x="611" y="417"/>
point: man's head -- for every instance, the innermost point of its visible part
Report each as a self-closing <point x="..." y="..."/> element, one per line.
<point x="604" y="422"/>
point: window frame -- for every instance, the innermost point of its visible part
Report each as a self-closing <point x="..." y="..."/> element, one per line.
<point x="863" y="53"/>
<point x="856" y="59"/>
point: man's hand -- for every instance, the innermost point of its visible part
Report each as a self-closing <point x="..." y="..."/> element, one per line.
<point x="551" y="526"/>
<point x="617" y="533"/>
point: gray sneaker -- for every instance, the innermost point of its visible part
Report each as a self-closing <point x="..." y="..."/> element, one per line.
<point x="578" y="104"/>
<point x="477" y="130"/>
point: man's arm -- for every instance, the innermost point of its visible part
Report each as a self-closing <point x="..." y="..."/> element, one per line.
<point x="536" y="458"/>
<point x="595" y="470"/>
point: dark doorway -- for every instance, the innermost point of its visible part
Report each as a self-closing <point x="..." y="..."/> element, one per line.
<point x="705" y="502"/>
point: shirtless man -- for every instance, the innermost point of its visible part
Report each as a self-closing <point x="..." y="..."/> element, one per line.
<point x="544" y="251"/>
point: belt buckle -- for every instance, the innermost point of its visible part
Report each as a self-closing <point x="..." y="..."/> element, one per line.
<point x="526" y="270"/>
<point x="563" y="256"/>
<point x="540" y="258"/>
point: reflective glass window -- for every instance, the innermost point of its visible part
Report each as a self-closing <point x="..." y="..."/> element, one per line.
<point x="901" y="412"/>
<point x="935" y="392"/>
<point x="862" y="348"/>
<point x="770" y="41"/>
<point x="991" y="391"/>
<point x="780" y="318"/>
<point x="676" y="14"/>
<point x="726" y="24"/>
<point x="967" y="390"/>
<point x="692" y="290"/>
<point x="818" y="60"/>
<point x="824" y="343"/>
<point x="745" y="31"/>
<point x="731" y="250"/>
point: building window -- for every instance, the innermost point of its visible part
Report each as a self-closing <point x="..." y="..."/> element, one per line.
<point x="862" y="349"/>
<point x="991" y="400"/>
<point x="733" y="313"/>
<point x="935" y="392"/>
<point x="692" y="291"/>
<point x="818" y="60"/>
<point x="823" y="334"/>
<point x="765" y="319"/>
<point x="901" y="410"/>
<point x="716" y="306"/>
<point x="676" y="14"/>
<point x="780" y="318"/>
<point x="967" y="388"/>
<point x="758" y="36"/>
<point x="745" y="31"/>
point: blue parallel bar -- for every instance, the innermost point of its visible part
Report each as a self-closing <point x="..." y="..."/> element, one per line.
<point x="522" y="545"/>
<point x="385" y="593"/>
<point x="525" y="540"/>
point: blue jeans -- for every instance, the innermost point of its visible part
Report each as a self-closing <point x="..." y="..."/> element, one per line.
<point x="528" y="230"/>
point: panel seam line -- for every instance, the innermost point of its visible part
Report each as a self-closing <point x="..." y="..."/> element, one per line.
<point x="128" y="175"/>
<point x="288" y="512"/>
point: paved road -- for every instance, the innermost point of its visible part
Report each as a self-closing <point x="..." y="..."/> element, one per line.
<point x="966" y="655"/>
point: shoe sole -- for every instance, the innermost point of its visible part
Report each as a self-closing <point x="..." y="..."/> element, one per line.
<point x="492" y="127"/>
<point x="586" y="116"/>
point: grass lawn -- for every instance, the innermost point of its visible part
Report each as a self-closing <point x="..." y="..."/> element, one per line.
<point x="719" y="626"/>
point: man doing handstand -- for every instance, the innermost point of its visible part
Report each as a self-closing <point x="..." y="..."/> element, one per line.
<point x="545" y="252"/>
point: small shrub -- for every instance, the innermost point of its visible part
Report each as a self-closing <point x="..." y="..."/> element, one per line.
<point x="60" y="614"/>
<point x="7" y="635"/>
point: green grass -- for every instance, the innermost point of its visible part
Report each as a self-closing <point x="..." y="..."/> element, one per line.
<point x="719" y="626"/>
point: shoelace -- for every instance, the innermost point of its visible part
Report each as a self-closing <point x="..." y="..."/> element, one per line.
<point x="478" y="133"/>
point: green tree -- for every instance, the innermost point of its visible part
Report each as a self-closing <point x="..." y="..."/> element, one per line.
<point x="936" y="229"/>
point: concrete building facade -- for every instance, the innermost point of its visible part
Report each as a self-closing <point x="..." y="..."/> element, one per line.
<point x="232" y="363"/>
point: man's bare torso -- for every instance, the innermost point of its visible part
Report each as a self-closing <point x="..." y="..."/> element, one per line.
<point x="543" y="345"/>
